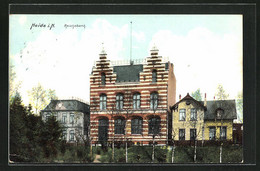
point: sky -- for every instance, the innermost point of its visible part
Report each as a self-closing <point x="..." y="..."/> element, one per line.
<point x="206" y="50"/>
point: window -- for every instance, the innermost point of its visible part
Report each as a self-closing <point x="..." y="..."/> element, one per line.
<point x="71" y="135"/>
<point x="64" y="118"/>
<point x="212" y="133"/>
<point x="119" y="101"/>
<point x="72" y="118"/>
<point x="55" y="115"/>
<point x="223" y="133"/>
<point x="182" y="113"/>
<point x="154" y="125"/>
<point x="119" y="126"/>
<point x="220" y="113"/>
<point x="136" y="101"/>
<point x="64" y="134"/>
<point x="47" y="116"/>
<point x="103" y="102"/>
<point x="192" y="134"/>
<point x="181" y="134"/>
<point x="136" y="126"/>
<point x="103" y="78"/>
<point x="154" y="100"/>
<point x="193" y="115"/>
<point x="154" y="76"/>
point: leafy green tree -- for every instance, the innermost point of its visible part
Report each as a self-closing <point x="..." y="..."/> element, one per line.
<point x="39" y="97"/>
<point x="18" y="140"/>
<point x="197" y="95"/>
<point x="221" y="93"/>
<point x="51" y="138"/>
<point x="13" y="85"/>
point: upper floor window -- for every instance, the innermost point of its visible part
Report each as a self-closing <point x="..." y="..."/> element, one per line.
<point x="154" y="76"/>
<point x="119" y="126"/>
<point x="193" y="114"/>
<point x="223" y="133"/>
<point x="72" y="118"/>
<point x="220" y="113"/>
<point x="154" y="100"/>
<point x="193" y="134"/>
<point x="137" y="126"/>
<point x="182" y="113"/>
<point x="154" y="125"/>
<point x="136" y="101"/>
<point x="64" y="118"/>
<point x="212" y="133"/>
<point x="103" y="78"/>
<point x="181" y="134"/>
<point x="103" y="102"/>
<point x="119" y="101"/>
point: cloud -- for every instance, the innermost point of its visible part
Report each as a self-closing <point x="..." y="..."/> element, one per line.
<point x="22" y="19"/>
<point x="63" y="61"/>
<point x="203" y="59"/>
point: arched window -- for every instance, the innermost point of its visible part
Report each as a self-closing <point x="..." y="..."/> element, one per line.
<point x="154" y="125"/>
<point x="136" y="101"/>
<point x="119" y="126"/>
<point x="119" y="101"/>
<point x="103" y="102"/>
<point x="102" y="130"/>
<point x="154" y="100"/>
<point x="136" y="125"/>
<point x="154" y="76"/>
<point x="103" y="78"/>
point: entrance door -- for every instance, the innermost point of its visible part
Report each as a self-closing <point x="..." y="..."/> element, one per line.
<point x="102" y="130"/>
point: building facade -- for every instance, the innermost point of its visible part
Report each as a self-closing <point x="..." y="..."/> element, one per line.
<point x="74" y="117"/>
<point x="131" y="103"/>
<point x="203" y="121"/>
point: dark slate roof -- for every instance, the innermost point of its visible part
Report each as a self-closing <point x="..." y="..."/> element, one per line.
<point x="128" y="73"/>
<point x="67" y="105"/>
<point x="229" y="107"/>
<point x="188" y="98"/>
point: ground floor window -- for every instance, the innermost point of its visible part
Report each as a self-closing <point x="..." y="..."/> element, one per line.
<point x="192" y="134"/>
<point x="136" y="125"/>
<point x="212" y="133"/>
<point x="181" y="134"/>
<point x="72" y="135"/>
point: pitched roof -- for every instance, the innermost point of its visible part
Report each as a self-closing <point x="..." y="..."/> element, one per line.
<point x="128" y="73"/>
<point x="188" y="98"/>
<point x="68" y="105"/>
<point x="229" y="107"/>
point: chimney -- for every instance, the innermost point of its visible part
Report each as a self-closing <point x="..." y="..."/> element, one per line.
<point x="205" y="100"/>
<point x="179" y="97"/>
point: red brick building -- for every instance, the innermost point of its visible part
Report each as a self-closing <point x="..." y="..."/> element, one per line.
<point x="131" y="103"/>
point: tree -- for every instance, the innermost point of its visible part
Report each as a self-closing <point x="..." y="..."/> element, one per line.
<point x="39" y="97"/>
<point x="221" y="93"/>
<point x="197" y="95"/>
<point x="239" y="104"/>
<point x="13" y="85"/>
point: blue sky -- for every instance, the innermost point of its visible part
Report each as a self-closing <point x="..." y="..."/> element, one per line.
<point x="206" y="50"/>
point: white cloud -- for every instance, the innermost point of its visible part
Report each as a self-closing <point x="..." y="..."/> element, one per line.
<point x="22" y="19"/>
<point x="64" y="61"/>
<point x="203" y="59"/>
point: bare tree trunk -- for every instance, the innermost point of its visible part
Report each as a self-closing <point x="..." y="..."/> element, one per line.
<point x="126" y="152"/>
<point x="153" y="152"/>
<point x="173" y="150"/>
<point x="220" y="154"/>
<point x="195" y="151"/>
<point x="113" y="150"/>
